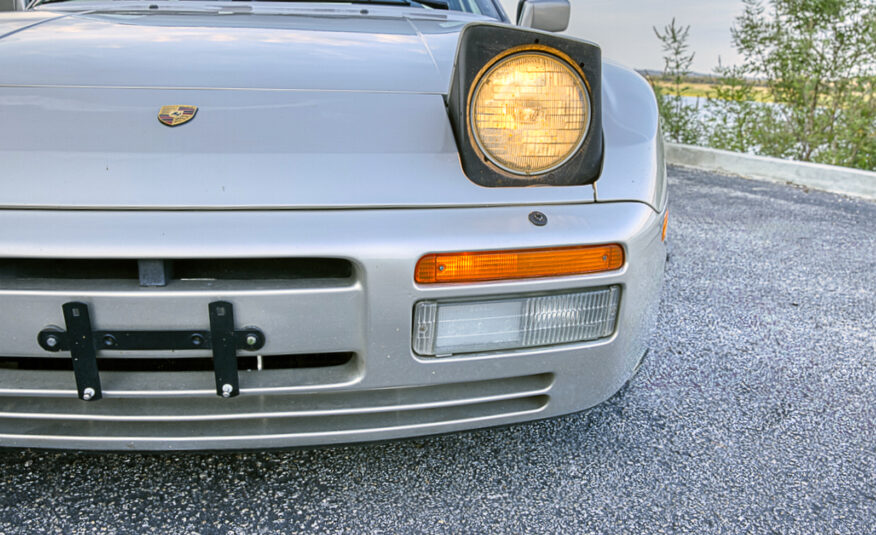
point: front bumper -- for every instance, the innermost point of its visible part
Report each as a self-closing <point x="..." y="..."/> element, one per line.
<point x="385" y="391"/>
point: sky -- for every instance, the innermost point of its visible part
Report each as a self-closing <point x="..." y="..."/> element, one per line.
<point x="623" y="28"/>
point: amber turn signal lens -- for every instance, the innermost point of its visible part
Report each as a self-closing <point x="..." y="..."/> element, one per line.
<point x="518" y="264"/>
<point x="665" y="224"/>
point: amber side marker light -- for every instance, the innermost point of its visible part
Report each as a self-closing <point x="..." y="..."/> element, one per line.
<point x="665" y="224"/>
<point x="518" y="264"/>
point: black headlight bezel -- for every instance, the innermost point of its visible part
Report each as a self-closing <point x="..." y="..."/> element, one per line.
<point x="482" y="45"/>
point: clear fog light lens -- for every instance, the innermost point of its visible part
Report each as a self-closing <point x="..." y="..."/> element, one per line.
<point x="446" y="328"/>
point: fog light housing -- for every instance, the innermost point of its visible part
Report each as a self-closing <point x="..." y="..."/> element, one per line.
<point x="444" y="328"/>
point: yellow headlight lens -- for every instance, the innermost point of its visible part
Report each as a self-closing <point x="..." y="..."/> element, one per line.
<point x="530" y="112"/>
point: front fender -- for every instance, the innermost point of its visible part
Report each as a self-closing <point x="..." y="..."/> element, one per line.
<point x="634" y="169"/>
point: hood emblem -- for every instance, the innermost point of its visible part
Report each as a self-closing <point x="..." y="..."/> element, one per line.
<point x="176" y="115"/>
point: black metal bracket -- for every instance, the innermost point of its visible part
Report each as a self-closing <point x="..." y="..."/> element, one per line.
<point x="83" y="343"/>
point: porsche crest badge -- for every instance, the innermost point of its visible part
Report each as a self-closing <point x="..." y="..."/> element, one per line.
<point x="176" y="115"/>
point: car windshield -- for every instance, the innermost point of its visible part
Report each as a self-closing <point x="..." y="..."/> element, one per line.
<point x="478" y="7"/>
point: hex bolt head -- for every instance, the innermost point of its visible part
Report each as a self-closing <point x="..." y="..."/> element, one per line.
<point x="538" y="219"/>
<point x="88" y="393"/>
<point x="52" y="341"/>
<point x="251" y="339"/>
<point x="227" y="389"/>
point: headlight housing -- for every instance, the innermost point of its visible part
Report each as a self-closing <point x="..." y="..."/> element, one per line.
<point x="526" y="107"/>
<point x="529" y="111"/>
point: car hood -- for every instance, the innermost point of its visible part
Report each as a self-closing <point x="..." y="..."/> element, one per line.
<point x="299" y="107"/>
<point x="226" y="46"/>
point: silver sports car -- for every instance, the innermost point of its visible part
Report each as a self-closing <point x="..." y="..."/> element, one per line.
<point x="258" y="224"/>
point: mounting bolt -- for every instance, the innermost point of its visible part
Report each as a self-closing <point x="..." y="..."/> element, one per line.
<point x="227" y="389"/>
<point x="109" y="340"/>
<point x="88" y="393"/>
<point x="538" y="219"/>
<point x="251" y="339"/>
<point x="197" y="340"/>
<point x="52" y="340"/>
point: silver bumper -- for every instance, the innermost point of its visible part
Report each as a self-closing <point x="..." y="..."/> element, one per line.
<point x="383" y="392"/>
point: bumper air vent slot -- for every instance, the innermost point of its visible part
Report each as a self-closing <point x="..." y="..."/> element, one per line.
<point x="17" y="271"/>
<point x="190" y="364"/>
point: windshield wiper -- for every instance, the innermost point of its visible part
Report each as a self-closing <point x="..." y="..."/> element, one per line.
<point x="434" y="4"/>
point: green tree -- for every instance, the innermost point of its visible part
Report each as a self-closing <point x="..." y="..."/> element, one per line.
<point x="732" y="112"/>
<point x="679" y="117"/>
<point x="818" y="59"/>
<point x="855" y="143"/>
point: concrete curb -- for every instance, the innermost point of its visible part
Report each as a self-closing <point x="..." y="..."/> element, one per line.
<point x="830" y="178"/>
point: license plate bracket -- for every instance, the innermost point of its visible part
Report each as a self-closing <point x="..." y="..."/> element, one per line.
<point x="83" y="343"/>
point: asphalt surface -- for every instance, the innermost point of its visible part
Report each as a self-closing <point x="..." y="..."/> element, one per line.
<point x="754" y="413"/>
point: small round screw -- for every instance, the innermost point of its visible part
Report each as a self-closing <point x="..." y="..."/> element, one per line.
<point x="227" y="389"/>
<point x="538" y="219"/>
<point x="197" y="340"/>
<point x="109" y="340"/>
<point x="251" y="339"/>
<point x="52" y="340"/>
<point x="88" y="393"/>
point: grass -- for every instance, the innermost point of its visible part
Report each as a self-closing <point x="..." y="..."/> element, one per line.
<point x="700" y="89"/>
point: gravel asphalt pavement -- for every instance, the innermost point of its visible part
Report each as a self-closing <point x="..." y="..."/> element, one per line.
<point x="755" y="412"/>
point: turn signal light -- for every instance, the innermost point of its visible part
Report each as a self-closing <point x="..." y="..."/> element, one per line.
<point x="481" y="266"/>
<point x="665" y="224"/>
